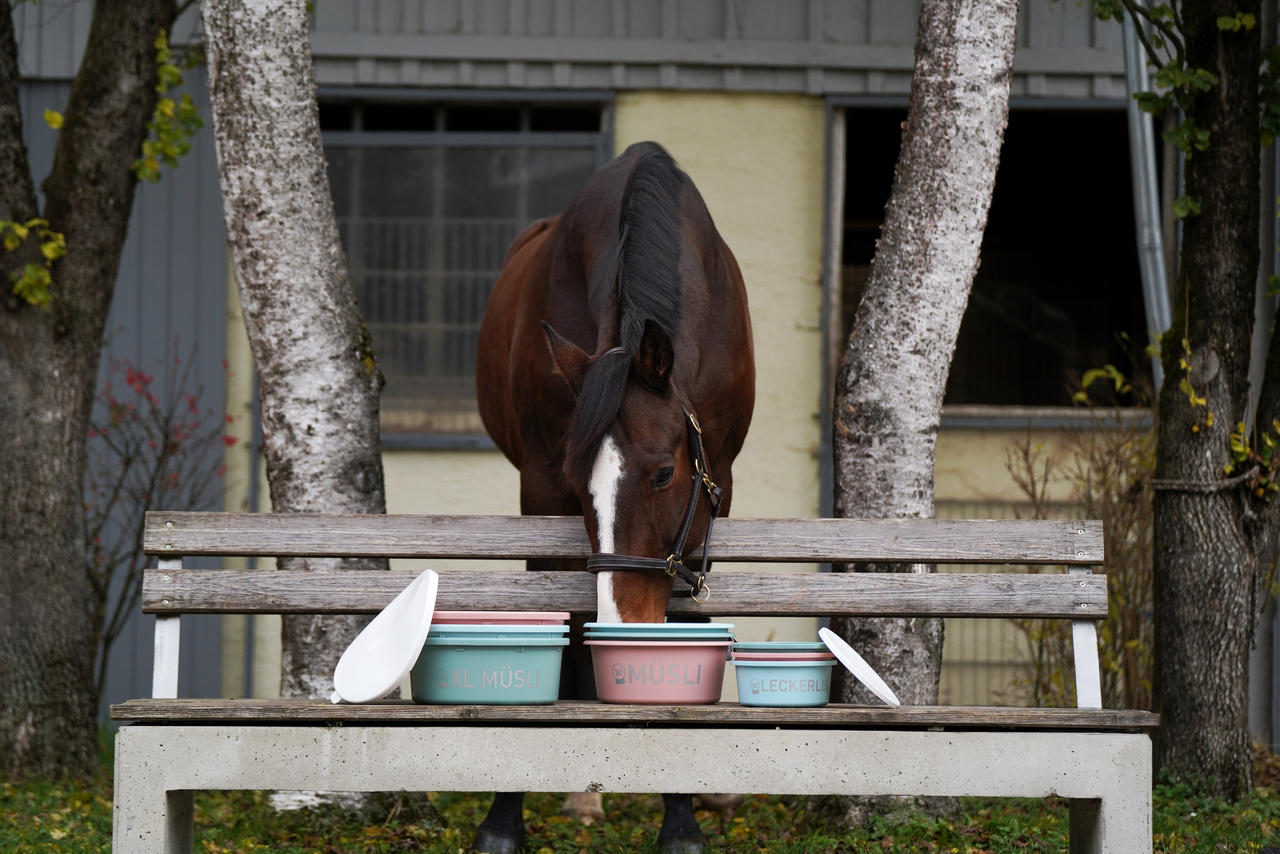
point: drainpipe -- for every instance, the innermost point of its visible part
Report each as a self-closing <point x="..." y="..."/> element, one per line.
<point x="1146" y="200"/>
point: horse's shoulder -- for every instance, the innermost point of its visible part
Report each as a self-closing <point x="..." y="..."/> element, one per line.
<point x="532" y="232"/>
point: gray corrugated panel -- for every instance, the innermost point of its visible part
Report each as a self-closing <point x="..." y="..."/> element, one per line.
<point x="51" y="36"/>
<point x="36" y="97"/>
<point x="631" y="64"/>
<point x="817" y="47"/>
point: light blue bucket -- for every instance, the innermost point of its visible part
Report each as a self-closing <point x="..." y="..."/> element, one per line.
<point x="781" y="646"/>
<point x="783" y="683"/>
<point x="502" y="670"/>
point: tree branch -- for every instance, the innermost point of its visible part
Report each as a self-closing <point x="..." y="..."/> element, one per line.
<point x="89" y="190"/>
<point x="1139" y="11"/>
<point x="17" y="189"/>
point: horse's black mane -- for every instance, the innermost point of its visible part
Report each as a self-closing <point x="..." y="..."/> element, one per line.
<point x="647" y="277"/>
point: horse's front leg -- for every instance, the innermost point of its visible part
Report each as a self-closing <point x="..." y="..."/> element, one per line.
<point x="502" y="831"/>
<point x="680" y="833"/>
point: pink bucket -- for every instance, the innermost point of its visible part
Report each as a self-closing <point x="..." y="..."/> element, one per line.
<point x="499" y="618"/>
<point x="658" y="672"/>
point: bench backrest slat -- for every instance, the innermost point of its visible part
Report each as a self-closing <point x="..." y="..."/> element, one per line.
<point x="732" y="593"/>
<point x="1018" y="541"/>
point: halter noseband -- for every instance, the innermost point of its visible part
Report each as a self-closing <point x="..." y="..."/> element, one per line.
<point x="673" y="564"/>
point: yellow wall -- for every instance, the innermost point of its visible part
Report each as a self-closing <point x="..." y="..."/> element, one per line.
<point x="971" y="464"/>
<point x="758" y="162"/>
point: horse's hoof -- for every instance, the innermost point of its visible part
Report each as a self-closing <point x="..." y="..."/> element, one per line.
<point x="497" y="842"/>
<point x="586" y="807"/>
<point x="684" y="845"/>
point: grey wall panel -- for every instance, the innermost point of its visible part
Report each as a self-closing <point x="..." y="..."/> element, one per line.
<point x="891" y="22"/>
<point x="845" y="21"/>
<point x="51" y="36"/>
<point x="816" y="47"/>
<point x="642" y="19"/>
<point x="170" y="304"/>
<point x="843" y="46"/>
<point x="336" y="15"/>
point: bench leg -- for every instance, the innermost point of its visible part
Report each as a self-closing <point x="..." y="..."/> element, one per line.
<point x="152" y="822"/>
<point x="147" y="819"/>
<point x="1117" y="825"/>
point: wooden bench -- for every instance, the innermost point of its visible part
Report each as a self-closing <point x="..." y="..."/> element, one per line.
<point x="1099" y="759"/>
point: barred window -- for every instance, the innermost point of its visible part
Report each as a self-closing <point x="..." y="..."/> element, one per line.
<point x="428" y="197"/>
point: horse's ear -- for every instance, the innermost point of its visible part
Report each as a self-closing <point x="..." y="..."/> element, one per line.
<point x="570" y="360"/>
<point x="655" y="357"/>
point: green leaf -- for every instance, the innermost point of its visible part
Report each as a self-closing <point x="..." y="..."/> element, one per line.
<point x="1185" y="206"/>
<point x="53" y="118"/>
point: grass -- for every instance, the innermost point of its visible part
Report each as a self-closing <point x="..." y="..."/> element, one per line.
<point x="47" y="816"/>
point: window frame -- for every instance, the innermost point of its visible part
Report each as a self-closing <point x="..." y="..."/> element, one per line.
<point x="960" y="416"/>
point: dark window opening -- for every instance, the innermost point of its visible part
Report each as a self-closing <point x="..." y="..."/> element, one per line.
<point x="336" y="116"/>
<point x="474" y="118"/>
<point x="1058" y="290"/>
<point x="397" y="116"/>
<point x="565" y="119"/>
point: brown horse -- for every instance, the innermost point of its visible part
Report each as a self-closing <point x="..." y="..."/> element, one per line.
<point x="615" y="370"/>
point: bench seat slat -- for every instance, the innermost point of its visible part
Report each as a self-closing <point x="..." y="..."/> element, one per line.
<point x="570" y="712"/>
<point x="1020" y="541"/>
<point x="1081" y="596"/>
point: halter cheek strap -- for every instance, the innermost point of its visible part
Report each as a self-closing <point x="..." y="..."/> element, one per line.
<point x="674" y="565"/>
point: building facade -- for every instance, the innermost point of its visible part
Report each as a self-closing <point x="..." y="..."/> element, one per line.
<point x="450" y="124"/>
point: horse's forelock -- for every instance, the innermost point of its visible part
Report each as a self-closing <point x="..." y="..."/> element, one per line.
<point x="599" y="403"/>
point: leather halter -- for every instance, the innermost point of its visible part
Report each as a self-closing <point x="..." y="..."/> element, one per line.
<point x="673" y="564"/>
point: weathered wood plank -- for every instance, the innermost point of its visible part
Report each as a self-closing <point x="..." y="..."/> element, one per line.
<point x="732" y="593"/>
<point x="571" y="713"/>
<point x="1024" y="541"/>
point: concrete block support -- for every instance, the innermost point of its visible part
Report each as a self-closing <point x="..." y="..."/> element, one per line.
<point x="1106" y="776"/>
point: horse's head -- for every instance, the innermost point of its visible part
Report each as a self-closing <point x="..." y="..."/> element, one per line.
<point x="633" y="459"/>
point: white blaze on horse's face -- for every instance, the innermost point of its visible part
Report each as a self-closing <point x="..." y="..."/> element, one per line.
<point x="606" y="478"/>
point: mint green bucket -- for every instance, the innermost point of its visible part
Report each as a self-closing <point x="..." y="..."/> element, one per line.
<point x="500" y="670"/>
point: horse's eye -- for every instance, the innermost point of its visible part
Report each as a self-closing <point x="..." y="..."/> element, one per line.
<point x="663" y="477"/>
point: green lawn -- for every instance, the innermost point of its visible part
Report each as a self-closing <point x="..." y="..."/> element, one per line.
<point x="40" y="816"/>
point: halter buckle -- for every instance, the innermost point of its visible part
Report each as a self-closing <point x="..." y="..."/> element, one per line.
<point x="672" y="563"/>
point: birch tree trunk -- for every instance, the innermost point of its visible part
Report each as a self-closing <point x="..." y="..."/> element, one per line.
<point x="48" y="371"/>
<point x="317" y="378"/>
<point x="893" y="374"/>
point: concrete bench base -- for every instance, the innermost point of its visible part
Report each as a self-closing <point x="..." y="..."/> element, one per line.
<point x="1106" y="776"/>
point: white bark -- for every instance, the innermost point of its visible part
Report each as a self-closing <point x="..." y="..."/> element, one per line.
<point x="317" y="378"/>
<point x="893" y="375"/>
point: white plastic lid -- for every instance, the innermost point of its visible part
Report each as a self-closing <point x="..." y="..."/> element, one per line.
<point x="385" y="651"/>
<point x="857" y="666"/>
